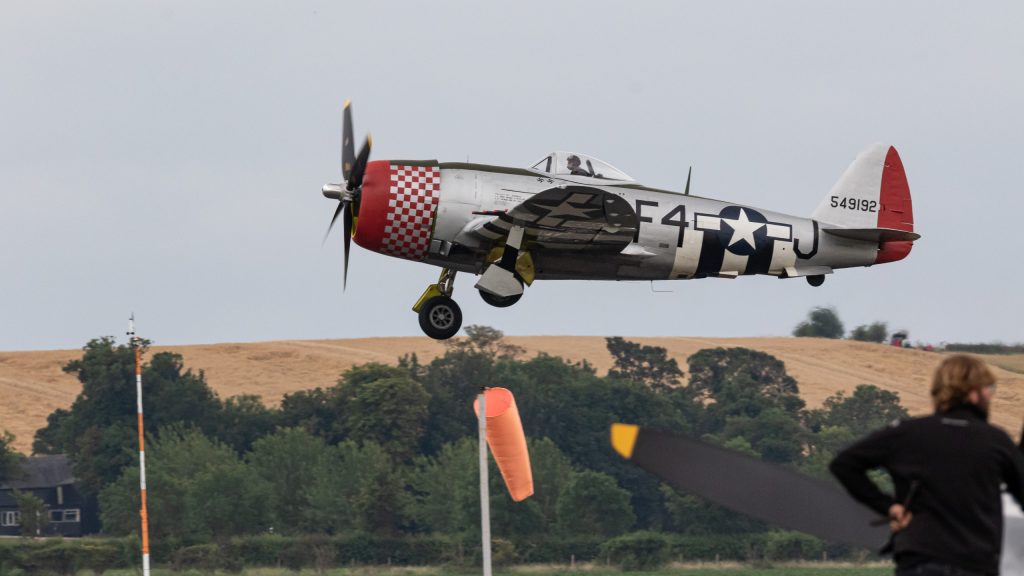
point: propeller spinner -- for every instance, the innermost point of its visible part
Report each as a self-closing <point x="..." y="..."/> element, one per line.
<point x="348" y="193"/>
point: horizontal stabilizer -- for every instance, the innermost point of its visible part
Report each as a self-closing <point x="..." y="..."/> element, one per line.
<point x="878" y="235"/>
<point x="794" y="272"/>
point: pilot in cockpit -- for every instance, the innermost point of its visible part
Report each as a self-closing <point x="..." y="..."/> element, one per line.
<point x="573" y="164"/>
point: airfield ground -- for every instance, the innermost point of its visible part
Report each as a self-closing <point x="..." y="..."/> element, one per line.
<point x="32" y="384"/>
<point x="725" y="569"/>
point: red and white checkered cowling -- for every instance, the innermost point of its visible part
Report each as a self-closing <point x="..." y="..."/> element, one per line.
<point x="397" y="208"/>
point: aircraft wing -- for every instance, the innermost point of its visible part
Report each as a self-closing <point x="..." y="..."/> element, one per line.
<point x="569" y="218"/>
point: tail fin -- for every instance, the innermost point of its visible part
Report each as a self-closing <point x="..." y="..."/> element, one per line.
<point x="872" y="193"/>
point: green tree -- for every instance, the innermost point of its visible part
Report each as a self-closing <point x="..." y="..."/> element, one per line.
<point x="647" y="365"/>
<point x="198" y="489"/>
<point x="10" y="459"/>
<point x="485" y="340"/>
<point x="741" y="381"/>
<point x="339" y="481"/>
<point x="552" y="470"/>
<point x="453" y="381"/>
<point x="383" y="405"/>
<point x="381" y="505"/>
<point x="593" y="503"/>
<point x="447" y="489"/>
<point x="574" y="408"/>
<point x="224" y="500"/>
<point x="98" y="430"/>
<point x="50" y="439"/>
<point x="773" y="434"/>
<point x="285" y="461"/>
<point x="874" y="332"/>
<point x="822" y="322"/>
<point x="842" y="419"/>
<point x="34" y="513"/>
<point x="173" y="394"/>
<point x="868" y="408"/>
<point x="316" y="411"/>
<point x="243" y="420"/>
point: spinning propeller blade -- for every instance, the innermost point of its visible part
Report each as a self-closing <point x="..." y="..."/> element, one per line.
<point x="334" y="218"/>
<point x="355" y="178"/>
<point x="348" y="193"/>
<point x="348" y="151"/>
<point x="347" y="221"/>
<point x="751" y="486"/>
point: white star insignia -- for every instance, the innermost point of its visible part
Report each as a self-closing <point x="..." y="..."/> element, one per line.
<point x="743" y="229"/>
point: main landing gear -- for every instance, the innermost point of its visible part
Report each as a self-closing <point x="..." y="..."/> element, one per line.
<point x="440" y="316"/>
<point x="501" y="285"/>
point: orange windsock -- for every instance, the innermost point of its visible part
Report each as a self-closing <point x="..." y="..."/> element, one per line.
<point x="507" y="441"/>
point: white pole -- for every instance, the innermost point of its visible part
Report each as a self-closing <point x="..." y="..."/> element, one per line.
<point x="485" y="497"/>
<point x="143" y="515"/>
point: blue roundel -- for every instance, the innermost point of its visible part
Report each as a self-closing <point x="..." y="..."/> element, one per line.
<point x="743" y="231"/>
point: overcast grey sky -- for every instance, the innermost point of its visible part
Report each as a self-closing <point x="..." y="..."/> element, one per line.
<point x="166" y="158"/>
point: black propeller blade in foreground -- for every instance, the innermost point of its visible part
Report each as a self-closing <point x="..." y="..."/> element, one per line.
<point x="753" y="487"/>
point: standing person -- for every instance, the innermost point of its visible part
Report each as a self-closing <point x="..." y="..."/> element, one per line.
<point x="947" y="470"/>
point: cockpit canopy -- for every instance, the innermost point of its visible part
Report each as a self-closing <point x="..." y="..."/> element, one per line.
<point x="575" y="164"/>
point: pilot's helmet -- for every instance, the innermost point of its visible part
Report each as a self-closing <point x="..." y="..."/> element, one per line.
<point x="574" y="159"/>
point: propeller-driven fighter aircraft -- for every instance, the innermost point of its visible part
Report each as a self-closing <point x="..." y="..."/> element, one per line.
<point x="571" y="216"/>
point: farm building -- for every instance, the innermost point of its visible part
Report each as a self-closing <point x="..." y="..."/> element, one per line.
<point x="49" y="478"/>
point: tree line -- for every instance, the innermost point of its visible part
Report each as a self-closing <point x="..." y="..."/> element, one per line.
<point x="391" y="450"/>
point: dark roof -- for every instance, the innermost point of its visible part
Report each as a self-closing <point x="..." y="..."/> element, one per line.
<point x="42" y="472"/>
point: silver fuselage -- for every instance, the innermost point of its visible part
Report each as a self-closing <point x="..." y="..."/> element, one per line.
<point x="679" y="236"/>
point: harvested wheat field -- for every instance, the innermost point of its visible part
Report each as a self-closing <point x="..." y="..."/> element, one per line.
<point x="32" y="384"/>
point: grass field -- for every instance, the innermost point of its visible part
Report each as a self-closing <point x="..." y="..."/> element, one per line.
<point x="1009" y="362"/>
<point x="725" y="569"/>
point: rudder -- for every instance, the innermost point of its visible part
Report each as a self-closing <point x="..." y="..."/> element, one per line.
<point x="872" y="193"/>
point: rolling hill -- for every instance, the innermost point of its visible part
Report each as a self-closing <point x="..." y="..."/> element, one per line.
<point x="32" y="384"/>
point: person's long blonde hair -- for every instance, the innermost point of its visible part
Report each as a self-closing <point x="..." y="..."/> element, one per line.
<point x="956" y="378"/>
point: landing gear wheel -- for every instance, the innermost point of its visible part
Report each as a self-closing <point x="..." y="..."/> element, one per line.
<point x="816" y="280"/>
<point x="440" y="318"/>
<point x="499" y="301"/>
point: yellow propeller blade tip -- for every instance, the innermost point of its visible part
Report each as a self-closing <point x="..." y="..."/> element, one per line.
<point x="347" y="103"/>
<point x="624" y="438"/>
<point x="369" y="139"/>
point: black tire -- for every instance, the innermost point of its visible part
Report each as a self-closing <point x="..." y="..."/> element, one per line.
<point x="816" y="280"/>
<point x="499" y="301"/>
<point x="440" y="318"/>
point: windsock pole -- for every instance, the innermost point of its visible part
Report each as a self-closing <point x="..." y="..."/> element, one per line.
<point x="485" y="497"/>
<point x="136" y="344"/>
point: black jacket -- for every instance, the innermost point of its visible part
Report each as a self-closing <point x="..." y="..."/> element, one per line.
<point x="959" y="462"/>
